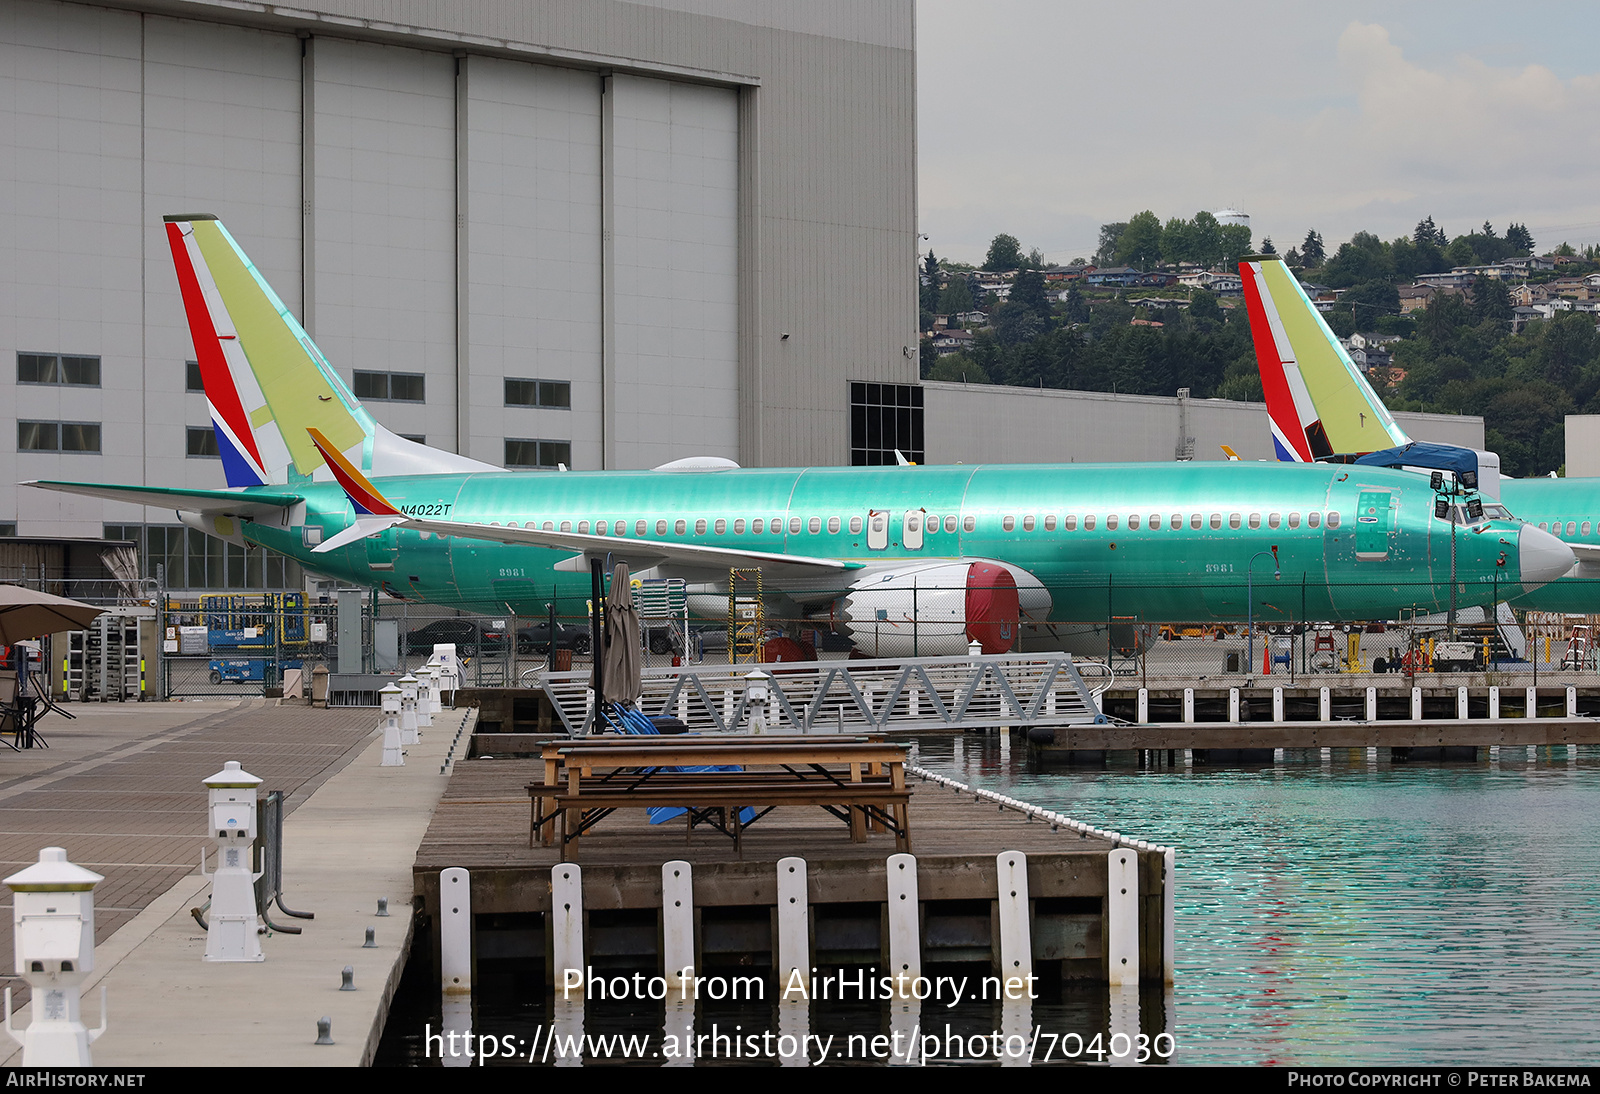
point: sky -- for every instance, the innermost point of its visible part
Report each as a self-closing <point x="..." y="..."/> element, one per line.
<point x="1046" y="119"/>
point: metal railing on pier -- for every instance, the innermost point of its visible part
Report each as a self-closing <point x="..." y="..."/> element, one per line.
<point x="852" y="696"/>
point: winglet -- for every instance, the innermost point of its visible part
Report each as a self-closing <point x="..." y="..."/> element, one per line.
<point x="1230" y="453"/>
<point x="363" y="495"/>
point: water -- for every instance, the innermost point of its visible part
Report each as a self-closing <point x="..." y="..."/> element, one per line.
<point x="1360" y="913"/>
<point x="1345" y="913"/>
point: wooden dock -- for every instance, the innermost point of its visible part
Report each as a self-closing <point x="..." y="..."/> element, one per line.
<point x="481" y="824"/>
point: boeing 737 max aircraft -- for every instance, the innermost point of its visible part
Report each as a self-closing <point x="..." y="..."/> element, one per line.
<point x="952" y="552"/>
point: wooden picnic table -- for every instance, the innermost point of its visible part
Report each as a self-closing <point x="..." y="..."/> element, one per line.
<point x="862" y="782"/>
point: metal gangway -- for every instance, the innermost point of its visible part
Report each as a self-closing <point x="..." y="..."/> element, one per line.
<point x="908" y="694"/>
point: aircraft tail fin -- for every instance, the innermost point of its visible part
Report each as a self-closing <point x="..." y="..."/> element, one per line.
<point x="1319" y="403"/>
<point x="266" y="382"/>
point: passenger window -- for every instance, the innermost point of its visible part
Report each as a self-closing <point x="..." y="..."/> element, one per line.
<point x="1294" y="520"/>
<point x="661" y="527"/>
<point x="1155" y="522"/>
<point x="794" y="526"/>
<point x="720" y="527"/>
<point x="1088" y="522"/>
<point x="1572" y="527"/>
<point x="680" y="527"/>
<point x="1333" y="518"/>
<point x="700" y="527"/>
<point x="1176" y="524"/>
<point x="738" y="527"/>
<point x="1216" y="520"/>
<point x="1234" y="520"/>
<point x="638" y="527"/>
<point x="777" y="525"/>
<point x="1194" y="520"/>
<point x="1274" y="520"/>
<point x="1585" y="528"/>
<point x="566" y="526"/>
<point x="1050" y="523"/>
<point x="814" y="525"/>
<point x="833" y="526"/>
<point x="548" y="527"/>
<point x="1255" y="520"/>
<point x="855" y="526"/>
<point x="758" y="526"/>
<point x="969" y="524"/>
<point x="1313" y="519"/>
<point x="1543" y="526"/>
<point x="1027" y="523"/>
<point x="1008" y="524"/>
<point x="1111" y="522"/>
<point x="583" y="527"/>
<point x="1133" y="522"/>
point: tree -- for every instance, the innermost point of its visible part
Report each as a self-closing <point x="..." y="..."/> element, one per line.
<point x="1027" y="291"/>
<point x="1292" y="259"/>
<point x="1425" y="231"/>
<point x="1311" y="252"/>
<point x="1074" y="308"/>
<point x="1371" y="300"/>
<point x="1110" y="237"/>
<point x="1035" y="260"/>
<point x="1140" y="243"/>
<point x="930" y="283"/>
<point x="1267" y="248"/>
<point x="955" y="298"/>
<point x="1235" y="243"/>
<point x="1005" y="253"/>
<point x="1520" y="238"/>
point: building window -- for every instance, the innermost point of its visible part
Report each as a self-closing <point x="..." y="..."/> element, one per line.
<point x="538" y="453"/>
<point x="58" y="436"/>
<point x="202" y="443"/>
<point x="394" y="387"/>
<point x="47" y="368"/>
<point x="188" y="559"/>
<point x="416" y="437"/>
<point x="8" y="529"/>
<point x="192" y="380"/>
<point x="885" y="419"/>
<point x="552" y="394"/>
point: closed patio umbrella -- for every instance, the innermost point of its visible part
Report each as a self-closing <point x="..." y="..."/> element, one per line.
<point x="622" y="669"/>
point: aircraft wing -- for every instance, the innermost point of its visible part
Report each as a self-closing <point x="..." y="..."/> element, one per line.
<point x="375" y="514"/>
<point x="229" y="503"/>
<point x="1588" y="554"/>
<point x="643" y="554"/>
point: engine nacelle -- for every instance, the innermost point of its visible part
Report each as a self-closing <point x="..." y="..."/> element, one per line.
<point x="935" y="609"/>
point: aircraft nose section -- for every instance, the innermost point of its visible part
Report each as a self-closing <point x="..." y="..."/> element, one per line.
<point x="1543" y="557"/>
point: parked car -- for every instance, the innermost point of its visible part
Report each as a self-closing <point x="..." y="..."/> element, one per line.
<point x="535" y="638"/>
<point x="470" y="637"/>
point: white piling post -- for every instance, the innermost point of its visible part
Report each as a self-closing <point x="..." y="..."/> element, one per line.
<point x="677" y="925"/>
<point x="1122" y="915"/>
<point x="1416" y="704"/>
<point x="455" y="931"/>
<point x="1532" y="708"/>
<point x="1572" y="702"/>
<point x="1325" y="704"/>
<point x="1016" y="940"/>
<point x="1277" y="703"/>
<point x="1233" y="704"/>
<point x="408" y="710"/>
<point x="1169" y="907"/>
<point x="905" y="929"/>
<point x="794" y="930"/>
<point x="1143" y="717"/>
<point x="566" y="929"/>
<point x="1461" y="703"/>
<point x="1494" y="703"/>
<point x="1372" y="704"/>
<point x="393" y="753"/>
<point x="1188" y="704"/>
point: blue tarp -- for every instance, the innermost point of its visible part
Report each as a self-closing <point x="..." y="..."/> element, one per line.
<point x="1442" y="457"/>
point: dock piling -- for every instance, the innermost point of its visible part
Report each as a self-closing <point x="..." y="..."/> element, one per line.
<point x="455" y="931"/>
<point x="1016" y="943"/>
<point x="677" y="925"/>
<point x="794" y="936"/>
<point x="905" y="951"/>
<point x="566" y="927"/>
<point x="1122" y="917"/>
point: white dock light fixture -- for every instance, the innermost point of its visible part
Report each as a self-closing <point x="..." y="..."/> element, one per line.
<point x="231" y="933"/>
<point x="393" y="754"/>
<point x="425" y="686"/>
<point x="52" y="924"/>
<point x="408" y="710"/>
<point x="758" y="691"/>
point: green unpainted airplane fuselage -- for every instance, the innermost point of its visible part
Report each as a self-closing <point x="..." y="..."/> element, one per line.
<point x="1157" y="541"/>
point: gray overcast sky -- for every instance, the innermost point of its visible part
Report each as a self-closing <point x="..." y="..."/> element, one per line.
<point x="1047" y="119"/>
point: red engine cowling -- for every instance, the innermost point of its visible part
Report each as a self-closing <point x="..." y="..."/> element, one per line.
<point x="931" y="609"/>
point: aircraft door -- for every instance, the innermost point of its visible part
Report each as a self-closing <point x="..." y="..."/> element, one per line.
<point x="911" y="529"/>
<point x="877" y="529"/>
<point x="1374" y="523"/>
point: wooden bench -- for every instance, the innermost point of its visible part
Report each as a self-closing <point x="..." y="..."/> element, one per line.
<point x="863" y="783"/>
